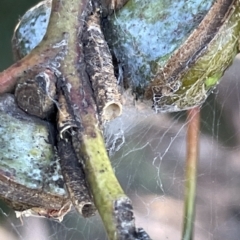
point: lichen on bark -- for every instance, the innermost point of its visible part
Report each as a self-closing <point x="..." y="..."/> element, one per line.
<point x="62" y="52"/>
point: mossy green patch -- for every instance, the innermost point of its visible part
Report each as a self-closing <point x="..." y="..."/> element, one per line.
<point x="212" y="81"/>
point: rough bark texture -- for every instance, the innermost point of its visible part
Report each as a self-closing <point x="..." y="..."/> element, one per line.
<point x="62" y="52"/>
<point x="99" y="67"/>
<point x="75" y="179"/>
<point x="37" y="95"/>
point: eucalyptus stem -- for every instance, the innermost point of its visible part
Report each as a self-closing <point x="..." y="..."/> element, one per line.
<point x="62" y="51"/>
<point x="193" y="120"/>
<point x="8" y="78"/>
<point x="114" y="206"/>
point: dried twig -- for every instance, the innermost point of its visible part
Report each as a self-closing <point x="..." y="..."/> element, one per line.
<point x="191" y="171"/>
<point x="100" y="70"/>
<point x="113" y="205"/>
<point x="62" y="52"/>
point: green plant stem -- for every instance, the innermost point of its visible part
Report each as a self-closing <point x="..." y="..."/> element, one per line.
<point x="89" y="144"/>
<point x="191" y="171"/>
<point x="113" y="205"/>
<point x="61" y="50"/>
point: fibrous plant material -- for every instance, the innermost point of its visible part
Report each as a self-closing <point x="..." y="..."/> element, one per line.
<point x="99" y="67"/>
<point x="30" y="179"/>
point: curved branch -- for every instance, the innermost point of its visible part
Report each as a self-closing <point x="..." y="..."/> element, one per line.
<point x="62" y="52"/>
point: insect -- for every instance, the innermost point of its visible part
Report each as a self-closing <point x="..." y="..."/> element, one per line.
<point x="169" y="89"/>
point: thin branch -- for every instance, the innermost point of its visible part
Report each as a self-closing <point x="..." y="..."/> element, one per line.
<point x="114" y="206"/>
<point x="193" y="120"/>
<point x="62" y="52"/>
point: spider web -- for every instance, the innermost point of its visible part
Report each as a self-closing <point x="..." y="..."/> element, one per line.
<point x="148" y="154"/>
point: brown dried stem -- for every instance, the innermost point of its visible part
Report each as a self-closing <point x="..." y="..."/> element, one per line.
<point x="61" y="51"/>
<point x="100" y="70"/>
<point x="9" y="77"/>
<point x="114" y="206"/>
<point x="191" y="171"/>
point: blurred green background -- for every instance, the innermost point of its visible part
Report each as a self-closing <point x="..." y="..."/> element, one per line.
<point x="10" y="12"/>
